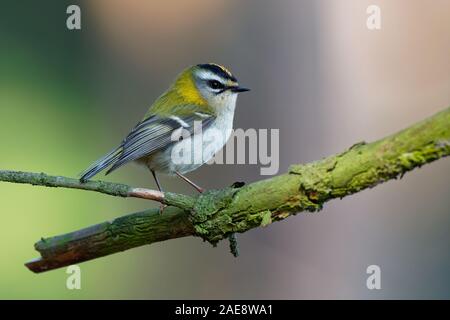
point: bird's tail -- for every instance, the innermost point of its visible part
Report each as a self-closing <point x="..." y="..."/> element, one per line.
<point x="101" y="164"/>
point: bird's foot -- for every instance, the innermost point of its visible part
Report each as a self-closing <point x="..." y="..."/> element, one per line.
<point x="195" y="186"/>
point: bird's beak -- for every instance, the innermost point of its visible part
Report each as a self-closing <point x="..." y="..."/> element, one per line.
<point x="239" y="89"/>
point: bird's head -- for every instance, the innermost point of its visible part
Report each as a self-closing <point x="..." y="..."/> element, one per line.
<point x="209" y="84"/>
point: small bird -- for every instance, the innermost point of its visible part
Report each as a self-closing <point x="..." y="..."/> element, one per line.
<point x="203" y="94"/>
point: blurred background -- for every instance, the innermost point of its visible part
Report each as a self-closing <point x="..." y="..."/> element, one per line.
<point x="316" y="72"/>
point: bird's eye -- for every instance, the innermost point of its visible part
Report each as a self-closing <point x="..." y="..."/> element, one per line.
<point x="214" y="84"/>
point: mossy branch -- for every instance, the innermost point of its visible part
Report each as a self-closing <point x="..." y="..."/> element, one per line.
<point x="217" y="214"/>
<point x="113" y="189"/>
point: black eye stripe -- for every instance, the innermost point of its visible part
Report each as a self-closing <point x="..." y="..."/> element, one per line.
<point x="214" y="84"/>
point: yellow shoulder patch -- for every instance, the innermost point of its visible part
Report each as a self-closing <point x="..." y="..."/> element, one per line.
<point x="187" y="90"/>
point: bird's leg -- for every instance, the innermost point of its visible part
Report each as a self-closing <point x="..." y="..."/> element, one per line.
<point x="199" y="189"/>
<point x="162" y="206"/>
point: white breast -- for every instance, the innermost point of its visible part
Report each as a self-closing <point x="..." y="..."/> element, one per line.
<point x="200" y="149"/>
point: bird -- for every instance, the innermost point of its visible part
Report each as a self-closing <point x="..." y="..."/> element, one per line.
<point x="183" y="129"/>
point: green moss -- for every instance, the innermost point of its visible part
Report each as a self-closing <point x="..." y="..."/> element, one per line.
<point x="208" y="217"/>
<point x="266" y="218"/>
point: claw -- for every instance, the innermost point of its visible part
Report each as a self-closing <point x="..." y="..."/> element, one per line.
<point x="200" y="189"/>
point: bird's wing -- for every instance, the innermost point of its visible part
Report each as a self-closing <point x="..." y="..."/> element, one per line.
<point x="155" y="133"/>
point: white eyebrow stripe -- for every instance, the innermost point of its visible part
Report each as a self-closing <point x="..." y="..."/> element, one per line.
<point x="208" y="75"/>
<point x="180" y="121"/>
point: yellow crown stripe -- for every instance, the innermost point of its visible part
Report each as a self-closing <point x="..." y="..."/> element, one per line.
<point x="223" y="68"/>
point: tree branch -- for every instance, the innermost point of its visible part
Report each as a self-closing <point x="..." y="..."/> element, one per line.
<point x="216" y="214"/>
<point x="113" y="189"/>
<point x="102" y="239"/>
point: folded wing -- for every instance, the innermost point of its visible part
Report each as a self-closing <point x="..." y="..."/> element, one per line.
<point x="150" y="135"/>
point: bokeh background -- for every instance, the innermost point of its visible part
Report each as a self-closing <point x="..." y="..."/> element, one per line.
<point x="316" y="72"/>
